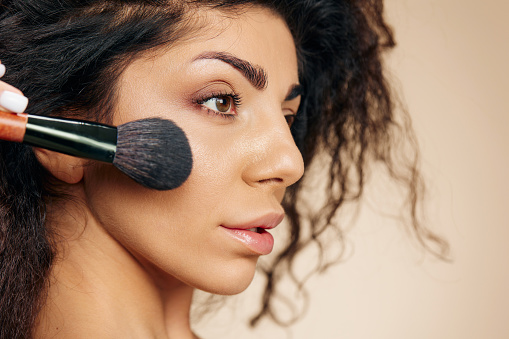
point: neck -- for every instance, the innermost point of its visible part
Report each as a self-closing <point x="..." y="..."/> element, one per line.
<point x="99" y="289"/>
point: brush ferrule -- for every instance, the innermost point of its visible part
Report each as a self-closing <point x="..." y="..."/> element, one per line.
<point x="74" y="137"/>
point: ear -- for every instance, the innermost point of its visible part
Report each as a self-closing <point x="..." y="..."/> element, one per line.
<point x="64" y="167"/>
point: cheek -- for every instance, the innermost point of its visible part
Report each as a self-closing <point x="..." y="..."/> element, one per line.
<point x="217" y="164"/>
<point x="127" y="209"/>
<point x="215" y="170"/>
<point x="173" y="233"/>
<point x="132" y="214"/>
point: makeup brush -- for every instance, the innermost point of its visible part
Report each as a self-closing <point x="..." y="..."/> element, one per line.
<point x="154" y="152"/>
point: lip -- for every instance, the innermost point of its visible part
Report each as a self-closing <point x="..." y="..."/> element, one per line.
<point x="258" y="241"/>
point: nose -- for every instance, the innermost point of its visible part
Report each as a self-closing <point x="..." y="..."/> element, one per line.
<point x="275" y="161"/>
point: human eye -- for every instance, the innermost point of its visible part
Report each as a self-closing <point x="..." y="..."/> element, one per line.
<point x="290" y="118"/>
<point x="222" y="104"/>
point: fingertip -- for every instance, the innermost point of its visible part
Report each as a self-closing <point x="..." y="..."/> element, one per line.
<point x="2" y="70"/>
<point x="13" y="102"/>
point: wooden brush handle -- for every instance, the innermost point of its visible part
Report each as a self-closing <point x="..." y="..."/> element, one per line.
<point x="12" y="126"/>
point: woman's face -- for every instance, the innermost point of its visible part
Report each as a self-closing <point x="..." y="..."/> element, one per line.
<point x="231" y="88"/>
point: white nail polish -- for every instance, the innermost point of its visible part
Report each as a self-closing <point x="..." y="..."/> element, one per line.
<point x="2" y="70"/>
<point x="13" y="102"/>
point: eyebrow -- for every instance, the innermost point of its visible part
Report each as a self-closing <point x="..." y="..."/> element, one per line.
<point x="295" y="91"/>
<point x="256" y="75"/>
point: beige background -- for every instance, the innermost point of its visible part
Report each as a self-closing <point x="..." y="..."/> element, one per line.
<point x="452" y="65"/>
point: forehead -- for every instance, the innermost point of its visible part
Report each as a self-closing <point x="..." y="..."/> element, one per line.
<point x="256" y="34"/>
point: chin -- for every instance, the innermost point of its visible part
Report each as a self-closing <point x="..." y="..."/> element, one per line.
<point x="229" y="279"/>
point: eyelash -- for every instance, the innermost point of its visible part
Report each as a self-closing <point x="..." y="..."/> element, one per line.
<point x="236" y="102"/>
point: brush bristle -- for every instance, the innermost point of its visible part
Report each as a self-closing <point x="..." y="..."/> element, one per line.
<point x="154" y="152"/>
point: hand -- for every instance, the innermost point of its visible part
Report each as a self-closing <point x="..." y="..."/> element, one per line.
<point x="11" y="98"/>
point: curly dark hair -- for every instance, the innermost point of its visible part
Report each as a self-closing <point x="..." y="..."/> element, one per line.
<point x="66" y="56"/>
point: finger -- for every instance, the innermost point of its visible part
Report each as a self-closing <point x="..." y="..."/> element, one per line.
<point x="5" y="86"/>
<point x="11" y="98"/>
<point x="13" y="102"/>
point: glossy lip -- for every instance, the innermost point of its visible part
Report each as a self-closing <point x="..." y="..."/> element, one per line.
<point x="268" y="221"/>
<point x="259" y="242"/>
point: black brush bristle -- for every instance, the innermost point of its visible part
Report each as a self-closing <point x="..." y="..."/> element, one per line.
<point x="154" y="152"/>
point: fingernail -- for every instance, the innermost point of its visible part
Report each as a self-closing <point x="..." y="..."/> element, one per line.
<point x="13" y="102"/>
<point x="2" y="70"/>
